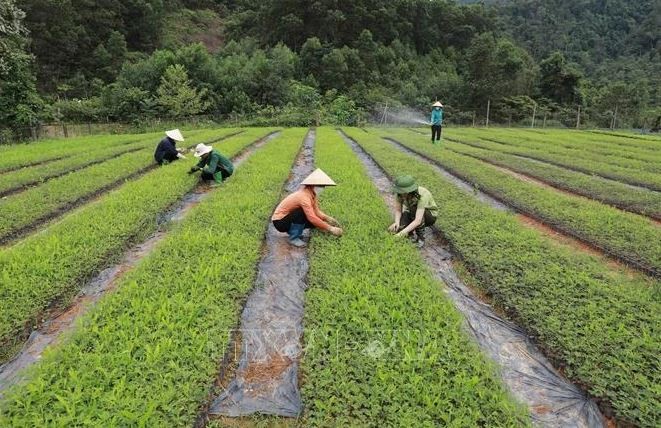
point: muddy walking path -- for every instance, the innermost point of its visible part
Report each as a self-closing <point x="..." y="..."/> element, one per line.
<point x="552" y="400"/>
<point x="61" y="320"/>
<point x="266" y="377"/>
<point x="549" y="227"/>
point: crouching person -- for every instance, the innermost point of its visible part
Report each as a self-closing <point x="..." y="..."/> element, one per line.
<point x="415" y="209"/>
<point x="214" y="166"/>
<point x="300" y="210"/>
<point x="167" y="150"/>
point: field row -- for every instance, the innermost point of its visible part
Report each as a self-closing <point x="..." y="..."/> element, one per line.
<point x="587" y="164"/>
<point x="633" y="199"/>
<point x="149" y="352"/>
<point x="57" y="261"/>
<point x="15" y="181"/>
<point x="403" y="358"/>
<point x="22" y="155"/>
<point x="22" y="212"/>
<point x="597" y="324"/>
<point x="627" y="236"/>
<point x="585" y="145"/>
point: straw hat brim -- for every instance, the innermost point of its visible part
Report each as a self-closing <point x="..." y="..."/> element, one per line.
<point x="318" y="178"/>
<point x="437" y="104"/>
<point x="203" y="151"/>
<point x="175" y="134"/>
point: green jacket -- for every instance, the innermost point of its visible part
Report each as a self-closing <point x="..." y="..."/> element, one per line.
<point x="215" y="162"/>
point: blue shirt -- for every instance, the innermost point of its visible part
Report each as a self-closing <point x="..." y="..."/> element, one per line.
<point x="437" y="116"/>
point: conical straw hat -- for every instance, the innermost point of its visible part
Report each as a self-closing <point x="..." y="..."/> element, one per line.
<point x="201" y="150"/>
<point x="437" y="104"/>
<point x="318" y="178"/>
<point x="175" y="134"/>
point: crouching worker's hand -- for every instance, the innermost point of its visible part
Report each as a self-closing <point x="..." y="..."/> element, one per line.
<point x="337" y="231"/>
<point x="393" y="227"/>
<point x="193" y="169"/>
<point x="332" y="221"/>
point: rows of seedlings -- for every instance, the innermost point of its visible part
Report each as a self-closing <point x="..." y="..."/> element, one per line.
<point x="597" y="325"/>
<point x="15" y="157"/>
<point x="583" y="145"/>
<point x="628" y="237"/>
<point x="60" y="259"/>
<point x="628" y="198"/>
<point x="148" y="352"/>
<point x="20" y="180"/>
<point x="58" y="320"/>
<point x="382" y="343"/>
<point x="27" y="211"/>
<point x="644" y="179"/>
<point x="266" y="348"/>
<point x="530" y="377"/>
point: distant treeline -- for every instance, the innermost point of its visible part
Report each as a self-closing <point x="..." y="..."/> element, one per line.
<point x="325" y="61"/>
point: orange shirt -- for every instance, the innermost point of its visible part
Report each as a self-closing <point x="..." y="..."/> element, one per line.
<point x="306" y="199"/>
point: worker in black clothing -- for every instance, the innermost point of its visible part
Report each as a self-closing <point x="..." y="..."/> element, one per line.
<point x="167" y="151"/>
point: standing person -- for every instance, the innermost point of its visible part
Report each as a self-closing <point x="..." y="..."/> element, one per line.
<point x="167" y="151"/>
<point x="214" y="166"/>
<point x="415" y="209"/>
<point x="436" y="121"/>
<point x="300" y="210"/>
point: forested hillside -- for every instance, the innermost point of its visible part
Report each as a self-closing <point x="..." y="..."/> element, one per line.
<point x="304" y="61"/>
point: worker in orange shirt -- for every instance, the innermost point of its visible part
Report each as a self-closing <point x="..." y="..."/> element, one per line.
<point x="300" y="210"/>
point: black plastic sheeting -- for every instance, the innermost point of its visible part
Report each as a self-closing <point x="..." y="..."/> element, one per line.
<point x="266" y="379"/>
<point x="52" y="329"/>
<point x="552" y="400"/>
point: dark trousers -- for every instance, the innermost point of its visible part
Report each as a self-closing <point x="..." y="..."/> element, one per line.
<point x="219" y="179"/>
<point x="295" y="217"/>
<point x="436" y="132"/>
<point x="408" y="217"/>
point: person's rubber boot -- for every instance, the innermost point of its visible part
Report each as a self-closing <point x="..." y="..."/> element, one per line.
<point x="298" y="242"/>
<point x="295" y="232"/>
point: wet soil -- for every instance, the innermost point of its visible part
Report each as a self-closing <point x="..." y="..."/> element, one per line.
<point x="57" y="320"/>
<point x="266" y="377"/>
<point x="552" y="400"/>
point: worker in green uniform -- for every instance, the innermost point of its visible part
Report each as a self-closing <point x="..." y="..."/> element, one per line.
<point x="415" y="209"/>
<point x="214" y="166"/>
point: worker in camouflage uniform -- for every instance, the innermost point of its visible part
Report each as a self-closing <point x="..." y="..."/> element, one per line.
<point x="415" y="209"/>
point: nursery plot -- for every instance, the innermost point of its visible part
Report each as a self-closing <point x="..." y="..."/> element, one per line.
<point x="19" y="180"/>
<point x="597" y="324"/>
<point x="52" y="329"/>
<point x="628" y="237"/>
<point x="575" y="144"/>
<point x="148" y="353"/>
<point x="383" y="345"/>
<point x="23" y="155"/>
<point x="633" y="199"/>
<point x="58" y="261"/>
<point x="643" y="179"/>
<point x="266" y="379"/>
<point x="21" y="213"/>
<point x="551" y="399"/>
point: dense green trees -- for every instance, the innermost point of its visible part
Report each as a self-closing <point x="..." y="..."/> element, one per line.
<point x="19" y="101"/>
<point x="259" y="60"/>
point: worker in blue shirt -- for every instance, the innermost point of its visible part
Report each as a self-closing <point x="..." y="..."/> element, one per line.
<point x="436" y="121"/>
